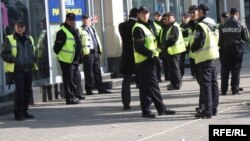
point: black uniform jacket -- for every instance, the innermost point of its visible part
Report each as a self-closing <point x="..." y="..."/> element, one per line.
<point x="232" y="36"/>
<point x="127" y="58"/>
<point x="26" y="56"/>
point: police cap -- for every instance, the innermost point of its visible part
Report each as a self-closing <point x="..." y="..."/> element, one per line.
<point x="143" y="9"/>
<point x="204" y="7"/>
<point x="70" y="16"/>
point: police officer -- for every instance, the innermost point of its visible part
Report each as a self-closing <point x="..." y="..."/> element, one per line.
<point x="193" y="10"/>
<point x="185" y="28"/>
<point x="145" y="54"/>
<point x="173" y="41"/>
<point x="127" y="59"/>
<point x="233" y="35"/>
<point x="20" y="56"/>
<point x="68" y="49"/>
<point x="206" y="51"/>
<point x="92" y="50"/>
<point x="157" y="26"/>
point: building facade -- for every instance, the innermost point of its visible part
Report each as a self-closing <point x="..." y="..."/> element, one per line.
<point x="44" y="17"/>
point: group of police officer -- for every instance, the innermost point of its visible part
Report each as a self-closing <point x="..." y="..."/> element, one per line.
<point x="200" y="38"/>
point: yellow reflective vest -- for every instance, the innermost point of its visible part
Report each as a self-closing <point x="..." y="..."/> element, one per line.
<point x="186" y="39"/>
<point x="210" y="49"/>
<point x="10" y="67"/>
<point x="179" y="45"/>
<point x="149" y="43"/>
<point x="191" y="41"/>
<point x="86" y="40"/>
<point x="67" y="52"/>
<point x="158" y="28"/>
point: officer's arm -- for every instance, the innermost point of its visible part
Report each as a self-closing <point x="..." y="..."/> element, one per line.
<point x="60" y="41"/>
<point x="173" y="36"/>
<point x="245" y="34"/>
<point x="6" y="52"/>
<point x="199" y="39"/>
<point x="139" y="46"/>
<point x="220" y="38"/>
<point x="120" y="27"/>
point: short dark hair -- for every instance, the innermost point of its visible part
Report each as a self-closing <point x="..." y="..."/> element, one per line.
<point x="133" y="12"/>
<point x="192" y="8"/>
<point x="70" y="16"/>
<point x="233" y="11"/>
<point x="204" y="8"/>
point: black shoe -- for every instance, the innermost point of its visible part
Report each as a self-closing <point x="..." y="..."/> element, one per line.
<point x="149" y="115"/>
<point x="173" y="88"/>
<point x="72" y="101"/>
<point x="80" y="97"/>
<point x="168" y="112"/>
<point x="224" y="93"/>
<point x="28" y="116"/>
<point x="202" y="115"/>
<point x="236" y="93"/>
<point x="89" y="93"/>
<point x="19" y="118"/>
<point x="104" y="92"/>
<point x="240" y="89"/>
<point x="126" y="107"/>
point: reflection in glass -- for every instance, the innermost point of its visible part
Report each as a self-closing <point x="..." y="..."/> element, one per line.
<point x="33" y="13"/>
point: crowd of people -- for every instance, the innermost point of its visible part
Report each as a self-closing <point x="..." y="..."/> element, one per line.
<point x="145" y="45"/>
<point x="198" y="37"/>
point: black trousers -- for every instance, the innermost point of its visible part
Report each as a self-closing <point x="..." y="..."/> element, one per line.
<point x="165" y="66"/>
<point x="192" y="67"/>
<point x="209" y="84"/>
<point x="174" y="69"/>
<point x="68" y="82"/>
<point x="23" y="82"/>
<point x="149" y="86"/>
<point x="158" y="69"/>
<point x="126" y="93"/>
<point x="182" y="62"/>
<point x="77" y="80"/>
<point x="92" y="72"/>
<point x="231" y="63"/>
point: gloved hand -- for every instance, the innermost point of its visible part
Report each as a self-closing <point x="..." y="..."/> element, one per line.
<point x="155" y="53"/>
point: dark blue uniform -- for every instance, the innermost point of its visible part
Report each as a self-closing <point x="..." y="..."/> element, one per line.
<point x="233" y="35"/>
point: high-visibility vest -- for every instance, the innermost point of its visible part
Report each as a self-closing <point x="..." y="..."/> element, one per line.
<point x="10" y="67"/>
<point x="158" y="28"/>
<point x="67" y="52"/>
<point x="191" y="41"/>
<point x="86" y="40"/>
<point x="149" y="43"/>
<point x="210" y="49"/>
<point x="186" y="39"/>
<point x="179" y="45"/>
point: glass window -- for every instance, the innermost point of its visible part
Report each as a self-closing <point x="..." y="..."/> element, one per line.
<point x="247" y="13"/>
<point x="33" y="13"/>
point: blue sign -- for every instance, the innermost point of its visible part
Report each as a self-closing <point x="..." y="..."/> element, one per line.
<point x="77" y="7"/>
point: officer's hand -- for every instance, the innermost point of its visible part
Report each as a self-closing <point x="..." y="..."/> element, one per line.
<point x="155" y="53"/>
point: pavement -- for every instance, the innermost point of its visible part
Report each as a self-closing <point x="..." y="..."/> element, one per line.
<point x="100" y="117"/>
